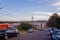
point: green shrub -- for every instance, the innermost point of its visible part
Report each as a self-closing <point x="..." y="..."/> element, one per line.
<point x="25" y="26"/>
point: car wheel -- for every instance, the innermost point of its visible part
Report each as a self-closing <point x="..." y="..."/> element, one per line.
<point x="6" y="37"/>
<point x="17" y="35"/>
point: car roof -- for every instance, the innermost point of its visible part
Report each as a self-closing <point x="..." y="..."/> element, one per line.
<point x="58" y="30"/>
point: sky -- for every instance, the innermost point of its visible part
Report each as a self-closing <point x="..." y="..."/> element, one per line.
<point x="23" y="10"/>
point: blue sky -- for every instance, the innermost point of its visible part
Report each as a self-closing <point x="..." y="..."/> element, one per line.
<point x="24" y="9"/>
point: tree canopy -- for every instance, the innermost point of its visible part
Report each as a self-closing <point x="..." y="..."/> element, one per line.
<point x="25" y="26"/>
<point x="54" y="21"/>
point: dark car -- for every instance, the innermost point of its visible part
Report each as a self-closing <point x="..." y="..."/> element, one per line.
<point x="2" y="34"/>
<point x="11" y="32"/>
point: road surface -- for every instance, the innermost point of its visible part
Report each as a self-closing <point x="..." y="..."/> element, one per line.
<point x="38" y="35"/>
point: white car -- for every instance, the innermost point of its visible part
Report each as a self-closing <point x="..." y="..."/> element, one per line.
<point x="31" y="30"/>
<point x="56" y="35"/>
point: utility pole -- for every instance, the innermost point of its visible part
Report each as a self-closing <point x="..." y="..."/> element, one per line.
<point x="32" y="18"/>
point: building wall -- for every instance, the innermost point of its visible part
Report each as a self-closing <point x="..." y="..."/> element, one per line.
<point x="39" y="25"/>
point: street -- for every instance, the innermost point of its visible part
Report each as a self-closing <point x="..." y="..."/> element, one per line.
<point x="37" y="35"/>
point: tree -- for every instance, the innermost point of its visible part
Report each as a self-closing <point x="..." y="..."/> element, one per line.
<point x="25" y="26"/>
<point x="53" y="20"/>
<point x="58" y="22"/>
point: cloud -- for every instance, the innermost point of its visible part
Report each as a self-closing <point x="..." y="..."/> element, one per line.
<point x="56" y="4"/>
<point x="36" y="17"/>
<point x="43" y="13"/>
<point x="58" y="8"/>
<point x="41" y="16"/>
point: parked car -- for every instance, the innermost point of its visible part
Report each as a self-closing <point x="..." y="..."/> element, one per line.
<point x="56" y="35"/>
<point x="3" y="28"/>
<point x="51" y="30"/>
<point x="31" y="30"/>
<point x="11" y="31"/>
<point x="40" y="29"/>
<point x="6" y="31"/>
<point x="2" y="34"/>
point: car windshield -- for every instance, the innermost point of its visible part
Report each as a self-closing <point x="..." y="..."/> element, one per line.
<point x="11" y="28"/>
<point x="2" y="30"/>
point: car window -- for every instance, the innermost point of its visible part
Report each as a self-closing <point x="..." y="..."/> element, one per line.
<point x="12" y="28"/>
<point x="57" y="32"/>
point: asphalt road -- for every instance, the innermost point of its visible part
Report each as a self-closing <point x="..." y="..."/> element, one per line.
<point x="38" y="35"/>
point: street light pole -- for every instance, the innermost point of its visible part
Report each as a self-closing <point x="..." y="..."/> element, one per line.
<point x="32" y="18"/>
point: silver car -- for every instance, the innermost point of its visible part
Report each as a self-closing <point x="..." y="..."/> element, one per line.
<point x="56" y="35"/>
<point x="31" y="30"/>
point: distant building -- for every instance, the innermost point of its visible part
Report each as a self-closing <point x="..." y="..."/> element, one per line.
<point x="39" y="23"/>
